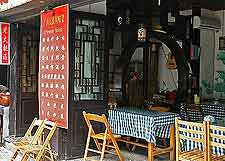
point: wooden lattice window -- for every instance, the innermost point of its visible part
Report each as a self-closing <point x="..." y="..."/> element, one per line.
<point x="89" y="59"/>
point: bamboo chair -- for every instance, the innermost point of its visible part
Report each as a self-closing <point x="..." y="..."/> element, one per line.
<point x="107" y="137"/>
<point x="37" y="150"/>
<point x="35" y="127"/>
<point x="215" y="140"/>
<point x="190" y="131"/>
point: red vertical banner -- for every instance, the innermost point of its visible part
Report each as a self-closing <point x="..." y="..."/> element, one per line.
<point x="5" y="43"/>
<point x="54" y="65"/>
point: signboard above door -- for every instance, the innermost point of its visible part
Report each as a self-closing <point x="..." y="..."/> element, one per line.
<point x="8" y="4"/>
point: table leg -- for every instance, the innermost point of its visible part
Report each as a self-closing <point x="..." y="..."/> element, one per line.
<point x="150" y="152"/>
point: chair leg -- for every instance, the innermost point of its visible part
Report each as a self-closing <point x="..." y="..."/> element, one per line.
<point x="117" y="149"/>
<point x="87" y="144"/>
<point x="24" y="157"/>
<point x="39" y="155"/>
<point x="50" y="151"/>
<point x="103" y="147"/>
<point x="14" y="156"/>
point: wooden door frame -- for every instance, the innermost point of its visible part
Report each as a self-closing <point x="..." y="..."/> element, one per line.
<point x="19" y="125"/>
<point x="75" y="107"/>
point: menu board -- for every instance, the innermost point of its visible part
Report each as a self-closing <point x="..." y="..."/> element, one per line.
<point x="53" y="66"/>
<point x="4" y="43"/>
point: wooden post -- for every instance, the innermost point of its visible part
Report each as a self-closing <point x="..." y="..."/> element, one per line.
<point x="150" y="151"/>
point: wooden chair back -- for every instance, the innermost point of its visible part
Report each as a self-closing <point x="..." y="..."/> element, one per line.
<point x="96" y="118"/>
<point x="191" y="131"/>
<point x="30" y="139"/>
<point x="49" y="130"/>
<point x="32" y="133"/>
<point x="216" y="138"/>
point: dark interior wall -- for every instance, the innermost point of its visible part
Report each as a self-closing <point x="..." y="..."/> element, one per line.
<point x="3" y="75"/>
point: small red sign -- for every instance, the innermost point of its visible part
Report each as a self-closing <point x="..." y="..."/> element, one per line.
<point x="5" y="43"/>
<point x="54" y="66"/>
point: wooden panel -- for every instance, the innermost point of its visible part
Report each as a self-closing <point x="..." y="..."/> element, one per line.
<point x="27" y="112"/>
<point x="3" y="75"/>
<point x="13" y="81"/>
<point x="78" y="129"/>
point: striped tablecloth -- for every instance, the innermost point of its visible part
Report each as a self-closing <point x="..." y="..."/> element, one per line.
<point x="141" y="123"/>
<point x="198" y="112"/>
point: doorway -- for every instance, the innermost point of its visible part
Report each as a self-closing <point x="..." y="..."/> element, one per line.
<point x="28" y="51"/>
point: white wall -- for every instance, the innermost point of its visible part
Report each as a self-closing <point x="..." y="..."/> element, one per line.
<point x="207" y="60"/>
<point x="218" y="65"/>
<point x="98" y="8"/>
<point x="168" y="79"/>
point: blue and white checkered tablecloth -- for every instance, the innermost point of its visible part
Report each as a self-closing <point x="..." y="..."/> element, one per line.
<point x="198" y="112"/>
<point x="141" y="123"/>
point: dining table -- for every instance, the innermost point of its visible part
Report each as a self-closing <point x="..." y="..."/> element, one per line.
<point x="144" y="124"/>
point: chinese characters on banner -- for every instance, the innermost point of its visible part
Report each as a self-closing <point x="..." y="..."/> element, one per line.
<point x="4" y="43"/>
<point x="53" y="66"/>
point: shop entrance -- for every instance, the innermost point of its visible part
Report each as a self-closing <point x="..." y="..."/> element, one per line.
<point x="28" y="51"/>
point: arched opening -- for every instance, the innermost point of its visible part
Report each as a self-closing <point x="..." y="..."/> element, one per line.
<point x="176" y="50"/>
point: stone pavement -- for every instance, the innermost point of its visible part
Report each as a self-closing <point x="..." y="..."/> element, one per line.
<point x="128" y="156"/>
<point x="5" y="155"/>
<point x="140" y="154"/>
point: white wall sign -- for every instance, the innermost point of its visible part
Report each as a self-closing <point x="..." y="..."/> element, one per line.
<point x="8" y="4"/>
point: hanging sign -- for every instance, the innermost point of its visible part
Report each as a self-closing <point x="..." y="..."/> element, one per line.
<point x="8" y="4"/>
<point x="53" y="66"/>
<point x="141" y="33"/>
<point x="4" y="43"/>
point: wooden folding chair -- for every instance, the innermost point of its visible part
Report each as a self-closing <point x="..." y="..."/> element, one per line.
<point x="32" y="136"/>
<point x="35" y="127"/>
<point x="37" y="150"/>
<point x="106" y="137"/>
<point x="191" y="132"/>
<point x="215" y="139"/>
